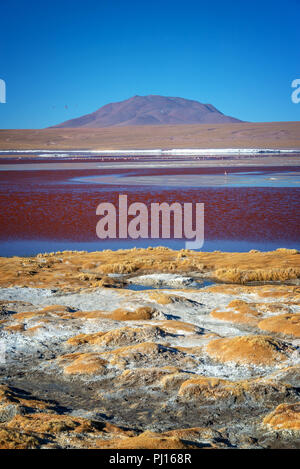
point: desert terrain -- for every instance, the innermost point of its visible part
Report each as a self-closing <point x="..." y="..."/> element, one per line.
<point x="285" y="135"/>
<point x="150" y="348"/>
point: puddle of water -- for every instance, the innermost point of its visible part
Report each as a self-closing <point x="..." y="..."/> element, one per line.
<point x="242" y="179"/>
<point x="196" y="285"/>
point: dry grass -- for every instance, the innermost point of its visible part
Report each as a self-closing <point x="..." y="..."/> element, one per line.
<point x="284" y="417"/>
<point x="82" y="339"/>
<point x="237" y="275"/>
<point x="10" y="397"/>
<point x="136" y="351"/>
<point x="217" y="389"/>
<point x="160" y="298"/>
<point x="82" y="363"/>
<point x="49" y="423"/>
<point x="119" y="337"/>
<point x="240" y="312"/>
<point x="144" y="376"/>
<point x="191" y="434"/>
<point x="202" y="388"/>
<point x="15" y="328"/>
<point x="211" y="388"/>
<point x="146" y="440"/>
<point x="286" y="292"/>
<point x="257" y="350"/>
<point x="64" y="269"/>
<point x="141" y="313"/>
<point x="287" y="324"/>
<point x="15" y="439"/>
<point x="177" y="326"/>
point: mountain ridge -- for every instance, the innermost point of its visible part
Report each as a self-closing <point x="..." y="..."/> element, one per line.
<point x="150" y="110"/>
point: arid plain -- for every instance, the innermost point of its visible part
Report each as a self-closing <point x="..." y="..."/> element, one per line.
<point x="239" y="135"/>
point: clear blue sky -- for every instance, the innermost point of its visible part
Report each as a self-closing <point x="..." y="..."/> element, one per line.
<point x="62" y="59"/>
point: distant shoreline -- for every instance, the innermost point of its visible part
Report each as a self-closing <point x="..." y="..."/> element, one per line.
<point x="154" y="152"/>
<point x="94" y="160"/>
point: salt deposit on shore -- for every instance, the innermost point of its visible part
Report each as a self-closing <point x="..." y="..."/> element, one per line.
<point x="222" y="360"/>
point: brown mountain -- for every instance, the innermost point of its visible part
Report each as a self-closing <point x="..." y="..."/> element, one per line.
<point x="151" y="110"/>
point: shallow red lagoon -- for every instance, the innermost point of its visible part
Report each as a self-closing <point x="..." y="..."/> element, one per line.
<point x="49" y="206"/>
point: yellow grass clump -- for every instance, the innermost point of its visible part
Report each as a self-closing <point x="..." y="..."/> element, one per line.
<point x="191" y="434"/>
<point x="214" y="388"/>
<point x="136" y="351"/>
<point x="178" y="326"/>
<point x="160" y="298"/>
<point x="141" y="313"/>
<point x="119" y="314"/>
<point x="145" y="376"/>
<point x="120" y="268"/>
<point x="82" y="339"/>
<point x="118" y="337"/>
<point x="146" y="440"/>
<point x="256" y="350"/>
<point x="211" y="388"/>
<point x="15" y="328"/>
<point x="287" y="324"/>
<point x="12" y="397"/>
<point x="15" y="439"/>
<point x="236" y="275"/>
<point x="82" y="363"/>
<point x="284" y="417"/>
<point x="49" y="423"/>
<point x="240" y="312"/>
<point x="286" y="292"/>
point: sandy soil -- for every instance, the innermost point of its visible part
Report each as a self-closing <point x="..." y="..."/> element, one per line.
<point x="245" y="135"/>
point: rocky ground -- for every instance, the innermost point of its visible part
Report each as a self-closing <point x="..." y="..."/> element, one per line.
<point x="148" y="349"/>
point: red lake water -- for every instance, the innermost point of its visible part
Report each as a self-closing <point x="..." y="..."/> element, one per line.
<point x="48" y="206"/>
